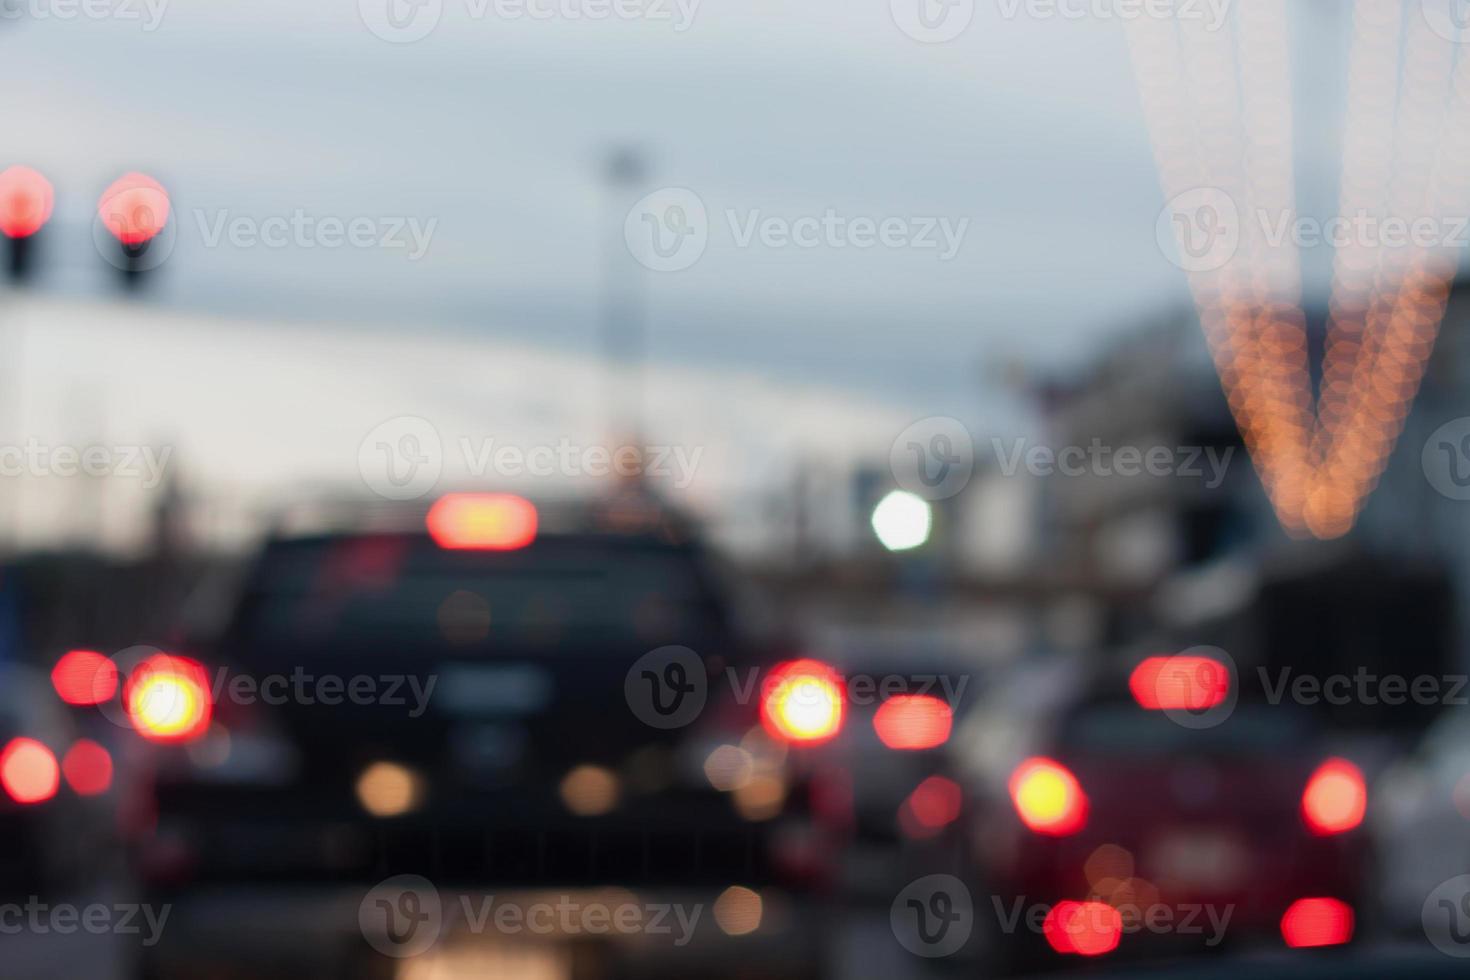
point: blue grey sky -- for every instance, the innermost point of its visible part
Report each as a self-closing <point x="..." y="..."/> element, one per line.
<point x="495" y="129"/>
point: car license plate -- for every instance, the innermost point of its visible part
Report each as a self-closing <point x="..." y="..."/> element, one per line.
<point x="493" y="690"/>
<point x="1200" y="859"/>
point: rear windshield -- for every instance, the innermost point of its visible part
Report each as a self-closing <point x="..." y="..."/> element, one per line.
<point x="1125" y="727"/>
<point x="392" y="589"/>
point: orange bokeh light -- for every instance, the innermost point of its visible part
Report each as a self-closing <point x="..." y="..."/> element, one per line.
<point x="482" y="521"/>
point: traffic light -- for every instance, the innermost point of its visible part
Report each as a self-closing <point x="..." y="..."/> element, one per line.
<point x="135" y="212"/>
<point x="26" y="202"/>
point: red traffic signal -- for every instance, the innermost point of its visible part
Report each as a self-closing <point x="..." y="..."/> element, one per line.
<point x="134" y="209"/>
<point x="26" y="202"/>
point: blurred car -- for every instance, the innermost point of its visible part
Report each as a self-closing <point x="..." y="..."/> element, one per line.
<point x="507" y="659"/>
<point x="54" y="814"/>
<point x="1421" y="809"/>
<point x="904" y="702"/>
<point x="1100" y="798"/>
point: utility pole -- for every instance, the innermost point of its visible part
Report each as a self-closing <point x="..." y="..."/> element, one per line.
<point x="624" y="339"/>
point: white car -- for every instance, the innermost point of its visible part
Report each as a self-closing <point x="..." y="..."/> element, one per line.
<point x="1421" y="820"/>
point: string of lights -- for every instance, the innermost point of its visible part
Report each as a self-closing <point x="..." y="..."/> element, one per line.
<point x="1218" y="112"/>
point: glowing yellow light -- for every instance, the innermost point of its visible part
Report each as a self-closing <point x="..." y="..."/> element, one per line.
<point x="386" y="789"/>
<point x="738" y="911"/>
<point x="590" y="791"/>
<point x="166" y="706"/>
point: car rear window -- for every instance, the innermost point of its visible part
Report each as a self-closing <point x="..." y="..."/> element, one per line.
<point x="1123" y="726"/>
<point x="381" y="589"/>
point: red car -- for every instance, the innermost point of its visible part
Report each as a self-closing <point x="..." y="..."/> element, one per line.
<point x="1156" y="814"/>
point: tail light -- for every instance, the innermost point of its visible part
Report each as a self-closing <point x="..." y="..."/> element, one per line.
<point x="1335" y="799"/>
<point x="87" y="767"/>
<point x="1181" y="683"/>
<point x="83" y="677"/>
<point x="26" y="201"/>
<point x="28" y="771"/>
<point x="803" y="702"/>
<point x="168" y="699"/>
<point x="1048" y="798"/>
<point x="933" y="805"/>
<point x="1083" y="928"/>
<point x="913" y="721"/>
<point x="1317" y="922"/>
<point x="482" y="521"/>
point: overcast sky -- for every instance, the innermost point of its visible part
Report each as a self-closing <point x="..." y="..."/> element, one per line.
<point x="1025" y="131"/>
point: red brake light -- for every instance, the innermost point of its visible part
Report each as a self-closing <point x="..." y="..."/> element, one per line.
<point x="1084" y="928"/>
<point x="168" y="699"/>
<point x="803" y="702"/>
<point x="1048" y="797"/>
<point x="482" y="521"/>
<point x="87" y="767"/>
<point x="84" y="677"/>
<point x="1335" y="799"/>
<point x="1317" y="922"/>
<point x="913" y="721"/>
<point x="1184" y="682"/>
<point x="135" y="208"/>
<point x="933" y="805"/>
<point x="28" y="771"/>
<point x="26" y="201"/>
